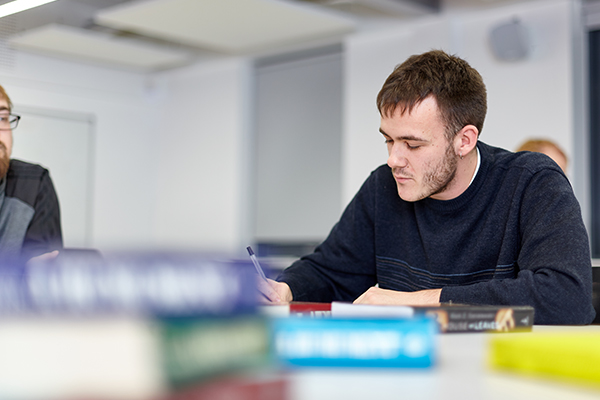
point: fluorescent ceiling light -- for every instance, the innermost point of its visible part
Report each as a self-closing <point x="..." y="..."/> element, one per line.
<point x="230" y="26"/>
<point x="20" y="5"/>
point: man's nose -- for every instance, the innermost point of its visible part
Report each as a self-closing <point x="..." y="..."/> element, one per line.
<point x="397" y="158"/>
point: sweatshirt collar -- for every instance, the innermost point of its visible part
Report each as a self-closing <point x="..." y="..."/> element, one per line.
<point x="478" y="164"/>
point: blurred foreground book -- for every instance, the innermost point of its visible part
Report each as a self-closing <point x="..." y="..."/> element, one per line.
<point x="127" y="358"/>
<point x="162" y="284"/>
<point x="237" y="387"/>
<point x="560" y="356"/>
<point x="378" y="343"/>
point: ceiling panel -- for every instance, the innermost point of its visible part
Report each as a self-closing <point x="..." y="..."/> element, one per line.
<point x="231" y="26"/>
<point x="95" y="46"/>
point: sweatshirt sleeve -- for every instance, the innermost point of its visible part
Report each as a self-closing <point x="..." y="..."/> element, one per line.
<point x="554" y="265"/>
<point x="343" y="266"/>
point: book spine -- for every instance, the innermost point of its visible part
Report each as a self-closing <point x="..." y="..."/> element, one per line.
<point x="310" y="309"/>
<point x="195" y="350"/>
<point x="482" y="319"/>
<point x="147" y="286"/>
<point x="332" y="342"/>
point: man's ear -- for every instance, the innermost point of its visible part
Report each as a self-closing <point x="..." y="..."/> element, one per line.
<point x="466" y="140"/>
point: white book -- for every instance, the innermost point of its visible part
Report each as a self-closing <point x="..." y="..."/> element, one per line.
<point x="342" y="310"/>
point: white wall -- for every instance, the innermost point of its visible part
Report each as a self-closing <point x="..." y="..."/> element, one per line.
<point x="202" y="199"/>
<point x="530" y="98"/>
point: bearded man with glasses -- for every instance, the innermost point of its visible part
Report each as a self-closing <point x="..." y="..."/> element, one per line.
<point x="29" y="212"/>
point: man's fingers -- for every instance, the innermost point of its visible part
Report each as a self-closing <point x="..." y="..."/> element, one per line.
<point x="44" y="257"/>
<point x="268" y="291"/>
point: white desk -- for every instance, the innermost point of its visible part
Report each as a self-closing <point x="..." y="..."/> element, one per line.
<point x="461" y="373"/>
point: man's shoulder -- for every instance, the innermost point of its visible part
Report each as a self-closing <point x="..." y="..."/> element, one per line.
<point x="25" y="180"/>
<point x="382" y="175"/>
<point x="524" y="160"/>
<point x="383" y="169"/>
<point x="23" y="169"/>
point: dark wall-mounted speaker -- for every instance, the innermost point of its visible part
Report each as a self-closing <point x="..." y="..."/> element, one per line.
<point x="510" y="41"/>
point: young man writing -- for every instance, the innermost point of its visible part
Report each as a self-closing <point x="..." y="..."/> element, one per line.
<point x="450" y="218"/>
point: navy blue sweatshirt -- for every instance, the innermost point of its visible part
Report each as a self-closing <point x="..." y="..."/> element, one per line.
<point x="514" y="237"/>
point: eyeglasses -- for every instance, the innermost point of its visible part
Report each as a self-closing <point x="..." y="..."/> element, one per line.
<point x="9" y="121"/>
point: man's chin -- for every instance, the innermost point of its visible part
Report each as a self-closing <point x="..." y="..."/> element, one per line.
<point x="409" y="196"/>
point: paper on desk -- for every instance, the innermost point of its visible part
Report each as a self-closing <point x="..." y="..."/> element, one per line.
<point x="274" y="310"/>
<point x="342" y="309"/>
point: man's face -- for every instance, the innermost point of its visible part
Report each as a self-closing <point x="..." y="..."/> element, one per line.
<point x="423" y="163"/>
<point x="6" y="141"/>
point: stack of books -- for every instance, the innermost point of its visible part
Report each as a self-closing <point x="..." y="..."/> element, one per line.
<point x="153" y="326"/>
<point x="450" y="317"/>
<point x="342" y="334"/>
<point x="181" y="326"/>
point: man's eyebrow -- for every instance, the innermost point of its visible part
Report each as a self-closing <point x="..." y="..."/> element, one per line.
<point x="2" y="108"/>
<point x="406" y="137"/>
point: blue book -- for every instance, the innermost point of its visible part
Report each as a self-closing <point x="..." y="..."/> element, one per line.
<point x="161" y="285"/>
<point x="332" y="342"/>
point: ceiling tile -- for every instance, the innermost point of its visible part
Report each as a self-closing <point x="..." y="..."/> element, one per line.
<point x="60" y="40"/>
<point x="231" y="26"/>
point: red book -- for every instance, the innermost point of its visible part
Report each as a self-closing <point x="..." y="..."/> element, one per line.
<point x="297" y="309"/>
<point x="235" y="387"/>
<point x="310" y="308"/>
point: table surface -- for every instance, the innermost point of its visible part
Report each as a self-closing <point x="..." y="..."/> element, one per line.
<point x="460" y="372"/>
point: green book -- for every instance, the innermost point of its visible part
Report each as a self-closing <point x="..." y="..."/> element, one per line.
<point x="197" y="349"/>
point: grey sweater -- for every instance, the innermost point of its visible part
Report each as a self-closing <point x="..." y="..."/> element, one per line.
<point x="514" y="237"/>
<point x="29" y="213"/>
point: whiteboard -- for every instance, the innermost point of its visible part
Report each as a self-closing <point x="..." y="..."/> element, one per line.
<point x="62" y="142"/>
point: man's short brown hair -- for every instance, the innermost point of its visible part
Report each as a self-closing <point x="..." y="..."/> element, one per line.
<point x="3" y="95"/>
<point x="457" y="88"/>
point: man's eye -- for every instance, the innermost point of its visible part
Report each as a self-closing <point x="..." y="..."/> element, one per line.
<point x="412" y="147"/>
<point x="388" y="140"/>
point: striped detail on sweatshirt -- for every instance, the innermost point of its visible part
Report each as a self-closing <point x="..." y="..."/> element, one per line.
<point x="399" y="275"/>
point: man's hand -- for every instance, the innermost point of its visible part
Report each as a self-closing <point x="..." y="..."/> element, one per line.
<point x="43" y="257"/>
<point x="505" y="320"/>
<point x="275" y="292"/>
<point x="376" y="295"/>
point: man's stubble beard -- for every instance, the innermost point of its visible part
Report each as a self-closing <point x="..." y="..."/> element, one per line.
<point x="4" y="160"/>
<point x="439" y="178"/>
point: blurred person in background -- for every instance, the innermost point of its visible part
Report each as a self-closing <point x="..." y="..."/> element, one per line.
<point x="548" y="148"/>
<point x="29" y="212"/>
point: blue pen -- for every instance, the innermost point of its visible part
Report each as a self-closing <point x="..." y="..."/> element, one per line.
<point x="256" y="264"/>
